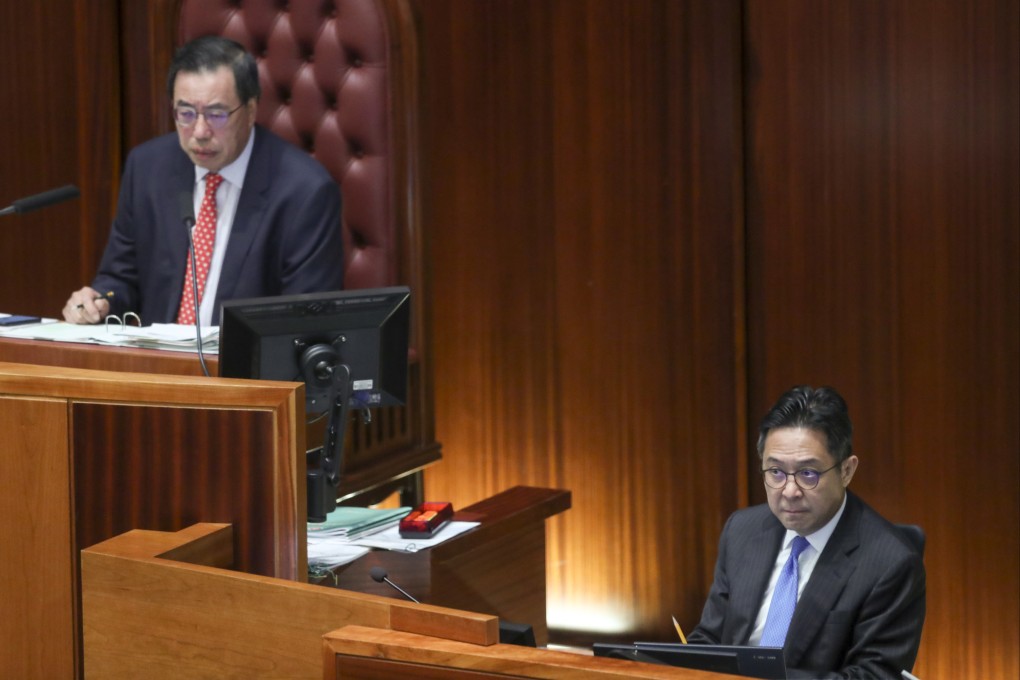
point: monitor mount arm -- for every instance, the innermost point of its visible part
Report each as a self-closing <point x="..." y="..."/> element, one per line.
<point x="328" y="385"/>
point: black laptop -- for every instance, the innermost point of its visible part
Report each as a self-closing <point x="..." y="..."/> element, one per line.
<point x="750" y="662"/>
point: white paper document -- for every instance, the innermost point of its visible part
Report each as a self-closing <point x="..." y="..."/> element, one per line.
<point x="390" y="539"/>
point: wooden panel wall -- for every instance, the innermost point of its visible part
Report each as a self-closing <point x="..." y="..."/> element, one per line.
<point x="59" y="103"/>
<point x="882" y="182"/>
<point x="590" y="325"/>
<point x="585" y="226"/>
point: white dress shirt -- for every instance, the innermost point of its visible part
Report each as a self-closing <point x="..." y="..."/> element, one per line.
<point x="227" y="196"/>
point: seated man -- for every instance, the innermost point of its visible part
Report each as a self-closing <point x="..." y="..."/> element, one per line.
<point x="267" y="215"/>
<point x="816" y="571"/>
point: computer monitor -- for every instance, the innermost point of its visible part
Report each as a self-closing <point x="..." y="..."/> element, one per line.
<point x="349" y="348"/>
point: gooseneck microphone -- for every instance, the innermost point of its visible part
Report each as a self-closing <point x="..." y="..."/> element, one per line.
<point x="30" y="203"/>
<point x="379" y="575"/>
<point x="185" y="203"/>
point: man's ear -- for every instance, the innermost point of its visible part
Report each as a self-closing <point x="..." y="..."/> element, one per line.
<point x="847" y="470"/>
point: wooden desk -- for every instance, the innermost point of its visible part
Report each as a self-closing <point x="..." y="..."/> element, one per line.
<point x="497" y="568"/>
<point x="389" y="453"/>
<point x="363" y="653"/>
<point x="161" y="605"/>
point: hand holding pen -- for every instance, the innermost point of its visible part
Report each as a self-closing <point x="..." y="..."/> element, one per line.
<point x="87" y="306"/>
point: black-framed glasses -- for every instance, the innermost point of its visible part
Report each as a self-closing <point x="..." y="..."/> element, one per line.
<point x="806" y="479"/>
<point x="215" y="117"/>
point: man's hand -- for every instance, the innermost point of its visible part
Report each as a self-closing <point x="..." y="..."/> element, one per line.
<point x="86" y="306"/>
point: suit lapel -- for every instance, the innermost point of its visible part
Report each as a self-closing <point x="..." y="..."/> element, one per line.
<point x="756" y="567"/>
<point x="175" y="234"/>
<point x="250" y="209"/>
<point x="829" y="578"/>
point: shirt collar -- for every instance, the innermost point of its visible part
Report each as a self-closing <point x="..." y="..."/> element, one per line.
<point x="819" y="538"/>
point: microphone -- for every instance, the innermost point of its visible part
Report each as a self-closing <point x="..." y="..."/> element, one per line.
<point x="510" y="633"/>
<point x="46" y="198"/>
<point x="187" y="211"/>
<point x="379" y="575"/>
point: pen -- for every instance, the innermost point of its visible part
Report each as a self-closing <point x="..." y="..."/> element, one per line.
<point x="909" y="676"/>
<point x="679" y="632"/>
<point x="109" y="294"/>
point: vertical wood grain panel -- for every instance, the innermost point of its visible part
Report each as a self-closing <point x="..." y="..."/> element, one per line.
<point x="36" y="579"/>
<point x="883" y="188"/>
<point x="585" y="223"/>
<point x="175" y="467"/>
<point x="58" y="100"/>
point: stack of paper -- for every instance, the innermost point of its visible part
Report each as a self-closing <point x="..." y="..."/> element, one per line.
<point x="157" y="336"/>
<point x="162" y="336"/>
<point x="351" y="522"/>
<point x="331" y="543"/>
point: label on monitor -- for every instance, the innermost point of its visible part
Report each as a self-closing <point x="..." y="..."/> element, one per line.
<point x="361" y="385"/>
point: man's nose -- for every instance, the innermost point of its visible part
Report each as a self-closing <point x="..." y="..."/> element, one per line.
<point x="202" y="129"/>
<point x="792" y="489"/>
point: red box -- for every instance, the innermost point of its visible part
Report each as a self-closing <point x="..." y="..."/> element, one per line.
<point x="425" y="520"/>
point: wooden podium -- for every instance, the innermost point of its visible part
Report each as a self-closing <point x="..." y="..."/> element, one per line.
<point x="90" y="454"/>
<point x="159" y="605"/>
<point x="497" y="568"/>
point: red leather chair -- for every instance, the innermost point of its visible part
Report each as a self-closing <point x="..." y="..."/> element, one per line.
<point x="339" y="79"/>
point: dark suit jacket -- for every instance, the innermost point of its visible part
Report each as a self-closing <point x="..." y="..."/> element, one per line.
<point x="285" y="237"/>
<point x="861" y="613"/>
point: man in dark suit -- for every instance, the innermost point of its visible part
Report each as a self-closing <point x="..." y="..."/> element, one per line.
<point x="858" y="589"/>
<point x="274" y="219"/>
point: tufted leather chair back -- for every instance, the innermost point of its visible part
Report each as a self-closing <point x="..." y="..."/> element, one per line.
<point x="331" y="73"/>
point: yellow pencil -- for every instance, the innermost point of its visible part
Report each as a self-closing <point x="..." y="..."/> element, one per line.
<point x="679" y="632"/>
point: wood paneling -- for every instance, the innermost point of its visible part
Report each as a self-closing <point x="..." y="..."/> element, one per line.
<point x="36" y="576"/>
<point x="883" y="180"/>
<point x="58" y="101"/>
<point x="147" y="616"/>
<point x="497" y="568"/>
<point x="589" y="167"/>
<point x="590" y="332"/>
<point x="361" y="653"/>
<point x="164" y="453"/>
<point x="585" y="219"/>
<point x="169" y="480"/>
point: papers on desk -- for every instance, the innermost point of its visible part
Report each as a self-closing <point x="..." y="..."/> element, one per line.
<point x="351" y="522"/>
<point x="390" y="539"/>
<point x="348" y="533"/>
<point x="333" y="542"/>
<point x="166" y="336"/>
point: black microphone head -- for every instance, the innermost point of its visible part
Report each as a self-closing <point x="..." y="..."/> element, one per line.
<point x="46" y="198"/>
<point x="378" y="574"/>
<point x="186" y="206"/>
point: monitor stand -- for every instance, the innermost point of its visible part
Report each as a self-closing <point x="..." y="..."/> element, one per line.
<point x="320" y="364"/>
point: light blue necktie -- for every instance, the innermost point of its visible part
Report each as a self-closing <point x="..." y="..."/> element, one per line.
<point x="784" y="598"/>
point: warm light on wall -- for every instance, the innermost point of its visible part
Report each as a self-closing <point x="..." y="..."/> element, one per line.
<point x="607" y="618"/>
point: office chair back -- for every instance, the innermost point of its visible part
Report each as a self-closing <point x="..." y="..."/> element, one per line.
<point x="914" y="534"/>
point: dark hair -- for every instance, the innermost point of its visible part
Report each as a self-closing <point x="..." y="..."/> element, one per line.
<point x="821" y="410"/>
<point x="210" y="52"/>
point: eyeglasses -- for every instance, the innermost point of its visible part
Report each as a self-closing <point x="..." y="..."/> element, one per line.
<point x="216" y="118"/>
<point x="806" y="479"/>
